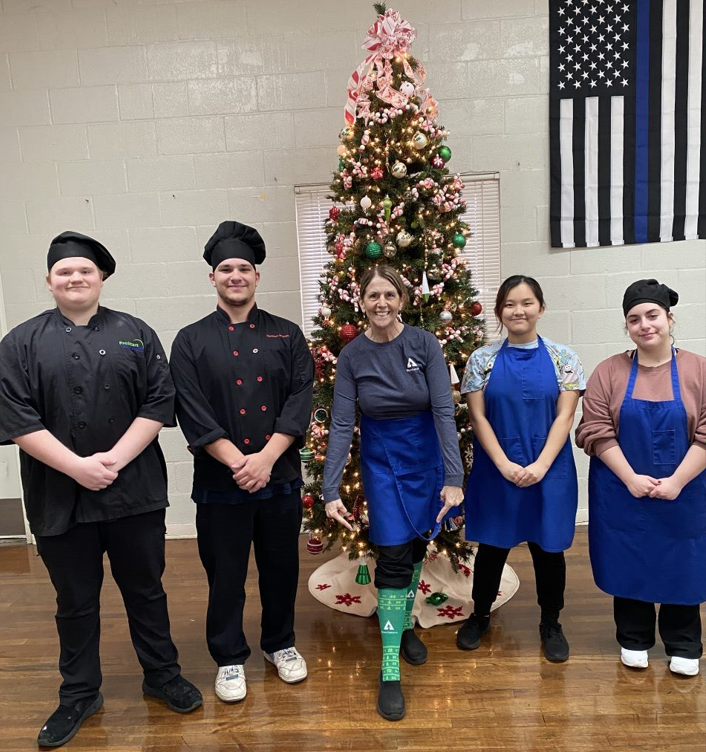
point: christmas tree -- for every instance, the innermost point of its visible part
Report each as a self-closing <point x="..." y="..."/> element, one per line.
<point x="395" y="202"/>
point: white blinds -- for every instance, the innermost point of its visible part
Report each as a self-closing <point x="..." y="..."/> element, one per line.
<point x="482" y="196"/>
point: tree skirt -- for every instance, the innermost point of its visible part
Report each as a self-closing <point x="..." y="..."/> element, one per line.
<point x="334" y="585"/>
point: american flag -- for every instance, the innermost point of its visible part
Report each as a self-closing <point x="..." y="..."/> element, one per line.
<point x="626" y="121"/>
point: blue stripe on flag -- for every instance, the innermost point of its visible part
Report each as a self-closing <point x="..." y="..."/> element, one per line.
<point x="642" y="104"/>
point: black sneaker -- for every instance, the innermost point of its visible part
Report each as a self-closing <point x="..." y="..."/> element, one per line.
<point x="412" y="649"/>
<point x="391" y="700"/>
<point x="64" y="723"/>
<point x="556" y="648"/>
<point x="178" y="694"/>
<point x="468" y="637"/>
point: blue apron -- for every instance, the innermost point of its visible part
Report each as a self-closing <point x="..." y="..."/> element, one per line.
<point x="651" y="550"/>
<point x="520" y="404"/>
<point x="403" y="474"/>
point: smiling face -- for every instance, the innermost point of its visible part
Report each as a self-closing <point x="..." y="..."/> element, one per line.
<point x="648" y="326"/>
<point x="235" y="281"/>
<point x="75" y="283"/>
<point x="520" y="312"/>
<point x="381" y="303"/>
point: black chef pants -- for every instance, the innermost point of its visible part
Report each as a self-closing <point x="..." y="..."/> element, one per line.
<point x="395" y="564"/>
<point x="135" y="548"/>
<point x="549" y="573"/>
<point x="225" y="534"/>
<point x="679" y="627"/>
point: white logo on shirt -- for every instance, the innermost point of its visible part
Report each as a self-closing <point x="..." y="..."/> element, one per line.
<point x="411" y="365"/>
<point x="388" y="627"/>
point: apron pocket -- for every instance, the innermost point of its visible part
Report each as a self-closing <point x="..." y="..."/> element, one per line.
<point x="558" y="468"/>
<point x="512" y="446"/>
<point x="663" y="447"/>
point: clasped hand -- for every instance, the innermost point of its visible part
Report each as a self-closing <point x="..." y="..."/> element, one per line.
<point x="656" y="488"/>
<point x="523" y="477"/>
<point x="94" y="472"/>
<point x="252" y="472"/>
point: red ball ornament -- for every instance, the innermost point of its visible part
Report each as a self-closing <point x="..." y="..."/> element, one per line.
<point x="314" y="545"/>
<point x="333" y="213"/>
<point x="376" y="173"/>
<point x="348" y="332"/>
<point x="307" y="501"/>
<point x="476" y="308"/>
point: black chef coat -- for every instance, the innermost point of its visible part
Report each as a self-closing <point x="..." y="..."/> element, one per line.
<point x="243" y="382"/>
<point x="85" y="385"/>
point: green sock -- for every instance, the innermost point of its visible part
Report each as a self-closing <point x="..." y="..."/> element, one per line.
<point x="411" y="594"/>
<point x="391" y="614"/>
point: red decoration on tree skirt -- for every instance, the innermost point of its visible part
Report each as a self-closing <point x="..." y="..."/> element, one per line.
<point x="424" y="587"/>
<point x="334" y="213"/>
<point x="307" y="501"/>
<point x="323" y="586"/>
<point x="376" y="173"/>
<point x="314" y="546"/>
<point x="348" y="332"/>
<point x="466" y="571"/>
<point x="476" y="308"/>
<point x="347" y="599"/>
<point x="450" y="612"/>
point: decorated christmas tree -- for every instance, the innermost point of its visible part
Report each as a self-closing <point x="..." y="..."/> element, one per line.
<point x="394" y="202"/>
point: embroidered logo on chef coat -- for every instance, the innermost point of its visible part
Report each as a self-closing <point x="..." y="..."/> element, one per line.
<point x="411" y="365"/>
<point x="136" y="344"/>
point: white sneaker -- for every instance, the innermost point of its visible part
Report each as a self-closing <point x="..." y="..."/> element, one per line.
<point x="230" y="683"/>
<point x="685" y="666"/>
<point x="291" y="667"/>
<point x="634" y="658"/>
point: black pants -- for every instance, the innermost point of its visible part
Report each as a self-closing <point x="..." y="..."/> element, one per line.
<point x="549" y="573"/>
<point x="395" y="564"/>
<point x="135" y="548"/>
<point x="225" y="533"/>
<point x="679" y="627"/>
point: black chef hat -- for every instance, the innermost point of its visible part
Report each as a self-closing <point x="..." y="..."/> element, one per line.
<point x="71" y="244"/>
<point x="649" y="291"/>
<point x="234" y="240"/>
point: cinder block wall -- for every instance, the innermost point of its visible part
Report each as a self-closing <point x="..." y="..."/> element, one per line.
<point x="146" y="122"/>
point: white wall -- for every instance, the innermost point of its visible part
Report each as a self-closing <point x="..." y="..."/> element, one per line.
<point x="146" y="122"/>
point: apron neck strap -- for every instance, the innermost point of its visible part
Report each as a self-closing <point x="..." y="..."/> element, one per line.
<point x="676" y="391"/>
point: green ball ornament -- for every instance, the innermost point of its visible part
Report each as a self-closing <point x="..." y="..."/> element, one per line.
<point x="459" y="240"/>
<point x="306" y="455"/>
<point x="445" y="153"/>
<point x="373" y="250"/>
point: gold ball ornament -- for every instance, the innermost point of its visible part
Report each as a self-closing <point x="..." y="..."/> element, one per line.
<point x="403" y="239"/>
<point x="399" y="170"/>
<point x="419" y="140"/>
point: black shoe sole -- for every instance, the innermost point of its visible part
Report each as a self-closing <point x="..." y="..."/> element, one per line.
<point x="390" y="716"/>
<point x="146" y="689"/>
<point x="557" y="658"/>
<point x="94" y="707"/>
<point x="414" y="661"/>
<point x="474" y="645"/>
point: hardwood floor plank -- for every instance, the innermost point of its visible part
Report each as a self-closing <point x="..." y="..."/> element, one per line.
<point x="502" y="697"/>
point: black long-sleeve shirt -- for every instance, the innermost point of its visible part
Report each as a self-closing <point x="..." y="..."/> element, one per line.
<point x="85" y="385"/>
<point x="243" y="382"/>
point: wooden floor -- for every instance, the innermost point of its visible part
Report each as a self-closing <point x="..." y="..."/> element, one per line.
<point x="503" y="696"/>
